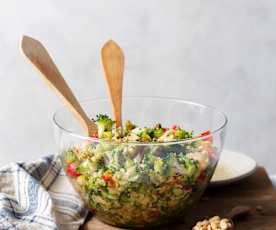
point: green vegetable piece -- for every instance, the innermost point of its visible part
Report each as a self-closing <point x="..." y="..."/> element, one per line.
<point x="158" y="132"/>
<point x="191" y="166"/>
<point x="158" y="165"/>
<point x="145" y="137"/>
<point x="86" y="167"/>
<point x="104" y="123"/>
<point x="169" y="160"/>
<point x="182" y="134"/>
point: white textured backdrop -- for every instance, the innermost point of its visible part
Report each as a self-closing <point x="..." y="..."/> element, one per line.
<point x="218" y="52"/>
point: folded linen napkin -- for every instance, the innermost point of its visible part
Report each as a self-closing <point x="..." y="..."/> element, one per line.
<point x="38" y="196"/>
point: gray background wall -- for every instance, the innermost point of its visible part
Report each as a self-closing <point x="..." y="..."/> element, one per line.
<point x="217" y="52"/>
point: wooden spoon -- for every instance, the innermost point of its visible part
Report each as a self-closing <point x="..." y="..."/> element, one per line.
<point x="238" y="212"/>
<point x="113" y="65"/>
<point x="39" y="57"/>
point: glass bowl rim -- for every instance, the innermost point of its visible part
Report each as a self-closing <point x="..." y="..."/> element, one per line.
<point x="179" y="100"/>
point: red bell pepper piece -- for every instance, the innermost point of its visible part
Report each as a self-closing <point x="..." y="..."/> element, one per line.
<point x="174" y="127"/>
<point x="71" y="170"/>
<point x="206" y="133"/>
<point x="106" y="177"/>
<point x="95" y="135"/>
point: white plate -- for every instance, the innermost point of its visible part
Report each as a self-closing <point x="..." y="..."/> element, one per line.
<point x="232" y="167"/>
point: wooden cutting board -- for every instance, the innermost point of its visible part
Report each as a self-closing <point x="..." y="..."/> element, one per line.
<point x="255" y="191"/>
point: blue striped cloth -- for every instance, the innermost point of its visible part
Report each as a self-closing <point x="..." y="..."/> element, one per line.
<point x="38" y="196"/>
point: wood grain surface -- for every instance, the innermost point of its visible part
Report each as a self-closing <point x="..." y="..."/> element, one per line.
<point x="256" y="191"/>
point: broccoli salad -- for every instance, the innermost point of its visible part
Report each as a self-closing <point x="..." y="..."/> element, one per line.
<point x="139" y="185"/>
<point x="133" y="133"/>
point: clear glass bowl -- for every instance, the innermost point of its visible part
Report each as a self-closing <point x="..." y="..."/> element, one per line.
<point x="142" y="184"/>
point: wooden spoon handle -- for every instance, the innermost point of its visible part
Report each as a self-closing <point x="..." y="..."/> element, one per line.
<point x="239" y="211"/>
<point x="113" y="65"/>
<point x="39" y="57"/>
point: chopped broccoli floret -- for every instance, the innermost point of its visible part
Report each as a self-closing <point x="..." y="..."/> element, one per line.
<point x="145" y="137"/>
<point x="132" y="132"/>
<point x="158" y="132"/>
<point x="182" y="134"/>
<point x="104" y="123"/>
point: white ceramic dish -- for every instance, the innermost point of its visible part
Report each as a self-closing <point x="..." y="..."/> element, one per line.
<point x="232" y="167"/>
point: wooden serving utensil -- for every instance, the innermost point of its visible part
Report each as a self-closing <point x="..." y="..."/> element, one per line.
<point x="39" y="57"/>
<point x="113" y="65"/>
<point x="238" y="212"/>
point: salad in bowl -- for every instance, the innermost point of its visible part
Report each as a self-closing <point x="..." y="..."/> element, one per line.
<point x="142" y="175"/>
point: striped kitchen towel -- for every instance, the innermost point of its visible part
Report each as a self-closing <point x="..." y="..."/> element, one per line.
<point x="38" y="196"/>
